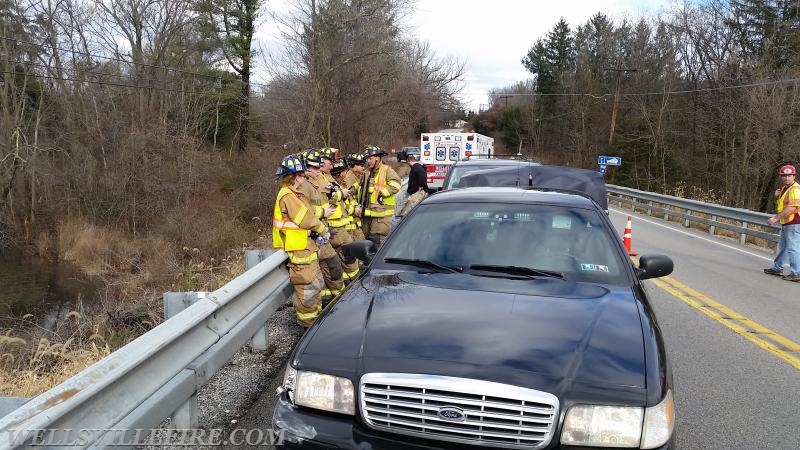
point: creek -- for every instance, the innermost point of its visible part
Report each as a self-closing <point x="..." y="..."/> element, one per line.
<point x="47" y="291"/>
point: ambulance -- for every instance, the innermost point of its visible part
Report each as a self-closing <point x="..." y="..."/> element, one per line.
<point x="441" y="150"/>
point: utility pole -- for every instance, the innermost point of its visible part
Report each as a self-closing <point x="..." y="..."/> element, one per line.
<point x="614" y="110"/>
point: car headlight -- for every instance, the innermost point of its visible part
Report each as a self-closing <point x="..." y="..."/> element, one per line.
<point x="659" y="421"/>
<point x="619" y="426"/>
<point x="320" y="391"/>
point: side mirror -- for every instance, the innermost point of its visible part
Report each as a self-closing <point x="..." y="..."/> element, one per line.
<point x="363" y="250"/>
<point x="654" y="266"/>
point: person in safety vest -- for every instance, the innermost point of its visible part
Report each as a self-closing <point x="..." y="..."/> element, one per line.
<point x="338" y="226"/>
<point x="788" y="215"/>
<point x="353" y="179"/>
<point x="325" y="199"/>
<point x="339" y="171"/>
<point x="298" y="232"/>
<point x="380" y="186"/>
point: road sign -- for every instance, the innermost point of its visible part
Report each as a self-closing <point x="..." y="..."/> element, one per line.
<point x="609" y="160"/>
<point x="602" y="168"/>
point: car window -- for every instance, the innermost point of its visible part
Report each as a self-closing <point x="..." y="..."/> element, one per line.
<point x="575" y="242"/>
<point x="456" y="172"/>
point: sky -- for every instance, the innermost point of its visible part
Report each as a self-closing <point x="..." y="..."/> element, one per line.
<point x="492" y="36"/>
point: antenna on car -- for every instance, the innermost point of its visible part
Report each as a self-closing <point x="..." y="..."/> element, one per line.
<point x="519" y="154"/>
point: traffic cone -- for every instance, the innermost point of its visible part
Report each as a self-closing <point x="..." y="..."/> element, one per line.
<point x="626" y="238"/>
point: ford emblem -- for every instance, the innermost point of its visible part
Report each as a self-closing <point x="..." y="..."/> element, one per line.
<point x="452" y="414"/>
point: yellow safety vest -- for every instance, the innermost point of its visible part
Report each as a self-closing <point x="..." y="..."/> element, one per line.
<point x="789" y="197"/>
<point x="375" y="190"/>
<point x="296" y="237"/>
<point x="337" y="218"/>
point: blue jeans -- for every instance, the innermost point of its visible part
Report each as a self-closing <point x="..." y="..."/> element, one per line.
<point x="789" y="248"/>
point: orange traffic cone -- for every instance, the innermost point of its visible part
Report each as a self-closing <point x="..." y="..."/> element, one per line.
<point x="626" y="238"/>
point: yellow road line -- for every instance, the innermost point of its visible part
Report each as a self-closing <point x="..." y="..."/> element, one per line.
<point x="740" y="324"/>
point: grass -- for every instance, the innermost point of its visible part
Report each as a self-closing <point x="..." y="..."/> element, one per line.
<point x="198" y="246"/>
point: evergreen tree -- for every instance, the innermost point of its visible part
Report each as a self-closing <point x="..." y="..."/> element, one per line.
<point x="232" y="24"/>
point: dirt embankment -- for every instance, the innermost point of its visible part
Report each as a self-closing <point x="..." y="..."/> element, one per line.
<point x="197" y="245"/>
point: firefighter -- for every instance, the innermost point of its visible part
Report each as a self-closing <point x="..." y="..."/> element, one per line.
<point x="403" y="167"/>
<point x="339" y="221"/>
<point x="340" y="172"/>
<point x="380" y="186"/>
<point x="324" y="197"/>
<point x="298" y="233"/>
<point x="354" y="180"/>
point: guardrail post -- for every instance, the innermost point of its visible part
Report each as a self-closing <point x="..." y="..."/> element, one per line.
<point x="686" y="220"/>
<point x="175" y="302"/>
<point x="185" y="417"/>
<point x="259" y="341"/>
<point x="743" y="236"/>
<point x="649" y="210"/>
<point x="712" y="228"/>
<point x="666" y="215"/>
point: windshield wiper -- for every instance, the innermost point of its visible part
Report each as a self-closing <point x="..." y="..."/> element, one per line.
<point x="516" y="270"/>
<point x="424" y="263"/>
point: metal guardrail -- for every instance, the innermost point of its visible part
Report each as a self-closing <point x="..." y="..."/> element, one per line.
<point x="157" y="375"/>
<point x="693" y="211"/>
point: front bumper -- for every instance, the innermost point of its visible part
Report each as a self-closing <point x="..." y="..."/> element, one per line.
<point x="305" y="429"/>
<point x="308" y="429"/>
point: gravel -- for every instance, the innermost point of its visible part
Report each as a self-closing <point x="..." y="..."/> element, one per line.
<point x="228" y="396"/>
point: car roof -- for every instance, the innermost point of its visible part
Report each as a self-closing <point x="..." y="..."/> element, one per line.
<point x="512" y="195"/>
<point x="495" y="162"/>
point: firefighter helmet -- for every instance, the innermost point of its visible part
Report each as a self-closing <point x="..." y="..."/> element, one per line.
<point x="354" y="159"/>
<point x="371" y="150"/>
<point x="290" y="165"/>
<point x="312" y="157"/>
<point x="339" y="166"/>
<point x="330" y="153"/>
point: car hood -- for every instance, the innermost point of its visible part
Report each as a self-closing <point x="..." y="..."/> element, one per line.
<point x="548" y="333"/>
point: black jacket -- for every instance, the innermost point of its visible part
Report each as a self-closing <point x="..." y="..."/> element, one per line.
<point x="417" y="178"/>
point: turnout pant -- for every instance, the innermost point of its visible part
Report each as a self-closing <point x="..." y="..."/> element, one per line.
<point x="376" y="228"/>
<point x="340" y="237"/>
<point x="307" y="282"/>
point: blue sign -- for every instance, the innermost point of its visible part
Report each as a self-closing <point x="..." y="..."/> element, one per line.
<point x="602" y="168"/>
<point x="609" y="160"/>
<point x="468" y="146"/>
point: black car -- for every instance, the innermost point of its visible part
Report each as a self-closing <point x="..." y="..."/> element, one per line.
<point x="463" y="167"/>
<point x="490" y="318"/>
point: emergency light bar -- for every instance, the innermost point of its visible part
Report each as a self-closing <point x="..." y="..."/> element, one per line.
<point x="470" y="137"/>
<point x="424" y="137"/>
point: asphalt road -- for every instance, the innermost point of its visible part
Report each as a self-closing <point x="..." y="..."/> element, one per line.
<point x="730" y="392"/>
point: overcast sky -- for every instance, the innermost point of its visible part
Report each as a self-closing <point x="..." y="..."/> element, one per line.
<point x="492" y="36"/>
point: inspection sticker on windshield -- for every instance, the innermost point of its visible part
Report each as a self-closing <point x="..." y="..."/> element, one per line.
<point x="562" y="222"/>
<point x="594" y="268"/>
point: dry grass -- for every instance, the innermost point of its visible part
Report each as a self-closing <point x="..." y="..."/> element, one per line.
<point x="198" y="246"/>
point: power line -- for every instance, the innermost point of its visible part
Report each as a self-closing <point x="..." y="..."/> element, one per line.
<point x="105" y="83"/>
<point x="640" y="94"/>
<point x="73" y="69"/>
<point x="108" y="58"/>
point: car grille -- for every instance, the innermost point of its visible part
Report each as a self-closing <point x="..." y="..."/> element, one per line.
<point x="458" y="410"/>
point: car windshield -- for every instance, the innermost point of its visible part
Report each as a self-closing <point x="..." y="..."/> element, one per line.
<point x="569" y="241"/>
<point x="456" y="172"/>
